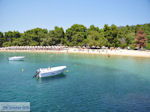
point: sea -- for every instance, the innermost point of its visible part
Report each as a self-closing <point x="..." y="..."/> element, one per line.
<point x="91" y="83"/>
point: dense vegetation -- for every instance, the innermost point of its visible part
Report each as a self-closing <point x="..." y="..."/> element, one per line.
<point x="79" y="35"/>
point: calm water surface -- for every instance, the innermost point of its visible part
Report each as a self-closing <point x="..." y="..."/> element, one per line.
<point x="90" y="84"/>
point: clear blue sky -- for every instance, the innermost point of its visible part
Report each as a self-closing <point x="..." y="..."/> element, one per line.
<point x="22" y="15"/>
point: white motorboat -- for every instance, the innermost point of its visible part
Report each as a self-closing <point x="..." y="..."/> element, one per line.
<point x="16" y="58"/>
<point x="46" y="72"/>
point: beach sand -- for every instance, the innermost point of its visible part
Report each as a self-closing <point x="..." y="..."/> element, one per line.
<point x="107" y="52"/>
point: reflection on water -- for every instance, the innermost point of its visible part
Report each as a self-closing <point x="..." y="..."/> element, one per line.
<point x="51" y="78"/>
<point x="16" y="62"/>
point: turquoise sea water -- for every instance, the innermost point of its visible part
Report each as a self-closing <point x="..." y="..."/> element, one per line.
<point x="91" y="83"/>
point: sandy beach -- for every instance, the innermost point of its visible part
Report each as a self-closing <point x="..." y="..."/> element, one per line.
<point x="107" y="52"/>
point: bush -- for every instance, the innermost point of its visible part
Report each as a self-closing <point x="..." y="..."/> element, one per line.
<point x="148" y="46"/>
<point x="6" y="44"/>
<point x="132" y="46"/>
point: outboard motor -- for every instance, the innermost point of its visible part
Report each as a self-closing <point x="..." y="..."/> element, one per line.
<point x="37" y="74"/>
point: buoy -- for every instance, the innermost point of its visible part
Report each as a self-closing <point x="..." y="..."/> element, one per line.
<point x="22" y="70"/>
<point x="67" y="71"/>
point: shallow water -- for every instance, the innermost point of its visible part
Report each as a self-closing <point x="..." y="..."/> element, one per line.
<point x="91" y="83"/>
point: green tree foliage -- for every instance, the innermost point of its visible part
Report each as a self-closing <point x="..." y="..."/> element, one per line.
<point x="111" y="33"/>
<point x="95" y="37"/>
<point x="76" y="35"/>
<point x="56" y="35"/>
<point x="53" y="37"/>
<point x="36" y="35"/>
<point x="79" y="35"/>
<point x="46" y="41"/>
<point x="1" y="39"/>
<point x="11" y="35"/>
<point x="125" y="36"/>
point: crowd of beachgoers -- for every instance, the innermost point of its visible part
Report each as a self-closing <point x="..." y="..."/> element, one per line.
<point x="65" y="49"/>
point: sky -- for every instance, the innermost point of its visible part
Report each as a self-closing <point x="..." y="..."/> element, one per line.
<point x="21" y="15"/>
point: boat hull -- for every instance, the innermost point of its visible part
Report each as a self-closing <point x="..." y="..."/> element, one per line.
<point x="16" y="58"/>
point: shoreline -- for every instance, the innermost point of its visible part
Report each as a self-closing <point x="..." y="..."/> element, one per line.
<point x="105" y="52"/>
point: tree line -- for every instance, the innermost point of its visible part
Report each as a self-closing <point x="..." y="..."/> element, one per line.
<point x="79" y="35"/>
